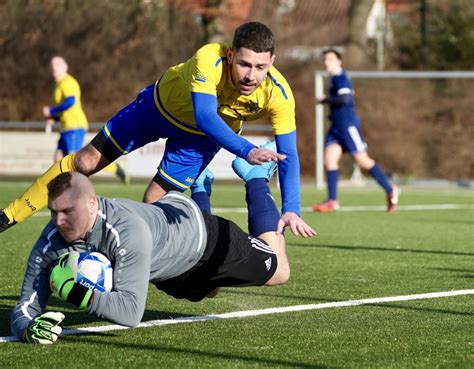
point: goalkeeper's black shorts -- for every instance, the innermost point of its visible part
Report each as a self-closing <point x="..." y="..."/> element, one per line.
<point x="232" y="258"/>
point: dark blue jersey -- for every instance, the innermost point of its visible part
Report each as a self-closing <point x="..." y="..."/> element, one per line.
<point x="341" y="101"/>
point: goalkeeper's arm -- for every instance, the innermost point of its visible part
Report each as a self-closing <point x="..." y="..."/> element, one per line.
<point x="29" y="321"/>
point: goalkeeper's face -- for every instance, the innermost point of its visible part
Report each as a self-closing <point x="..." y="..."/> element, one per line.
<point x="73" y="214"/>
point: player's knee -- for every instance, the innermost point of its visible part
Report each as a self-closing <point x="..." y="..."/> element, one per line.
<point x="281" y="276"/>
<point x="364" y="161"/>
<point x="89" y="161"/>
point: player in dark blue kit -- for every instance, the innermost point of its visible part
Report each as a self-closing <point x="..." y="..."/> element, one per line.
<point x="345" y="135"/>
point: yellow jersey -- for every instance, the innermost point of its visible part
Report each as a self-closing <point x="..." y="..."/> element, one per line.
<point x="207" y="71"/>
<point x="73" y="117"/>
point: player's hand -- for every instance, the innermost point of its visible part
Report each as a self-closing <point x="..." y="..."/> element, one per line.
<point x="296" y="224"/>
<point x="46" y="112"/>
<point x="44" y="328"/>
<point x="260" y="155"/>
<point x="320" y="99"/>
<point x="62" y="282"/>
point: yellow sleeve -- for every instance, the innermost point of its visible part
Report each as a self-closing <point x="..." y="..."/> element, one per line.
<point x="206" y="68"/>
<point x="70" y="87"/>
<point x="282" y="106"/>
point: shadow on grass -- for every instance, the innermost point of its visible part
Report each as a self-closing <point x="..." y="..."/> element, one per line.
<point x="390" y="249"/>
<point x="470" y="273"/>
<point x="197" y="353"/>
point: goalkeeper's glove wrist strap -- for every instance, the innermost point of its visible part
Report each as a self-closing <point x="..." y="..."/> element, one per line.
<point x="79" y="296"/>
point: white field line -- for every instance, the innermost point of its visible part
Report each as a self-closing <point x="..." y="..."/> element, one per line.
<point x="251" y="313"/>
<point x="346" y="208"/>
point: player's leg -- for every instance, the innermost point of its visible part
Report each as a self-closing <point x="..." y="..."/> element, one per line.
<point x="186" y="156"/>
<point x="35" y="197"/>
<point x="201" y="190"/>
<point x="119" y="171"/>
<point x="59" y="153"/>
<point x="70" y="142"/>
<point x="332" y="154"/>
<point x="109" y="144"/>
<point x="359" y="154"/>
<point x="61" y="148"/>
<point x="263" y="215"/>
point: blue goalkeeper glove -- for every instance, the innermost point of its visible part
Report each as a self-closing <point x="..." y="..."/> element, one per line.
<point x="44" y="328"/>
<point x="62" y="282"/>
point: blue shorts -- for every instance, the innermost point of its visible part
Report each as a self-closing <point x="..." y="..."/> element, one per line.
<point x="348" y="137"/>
<point x="139" y="123"/>
<point x="71" y="141"/>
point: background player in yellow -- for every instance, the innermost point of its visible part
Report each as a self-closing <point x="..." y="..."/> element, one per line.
<point x="199" y="106"/>
<point x="67" y="109"/>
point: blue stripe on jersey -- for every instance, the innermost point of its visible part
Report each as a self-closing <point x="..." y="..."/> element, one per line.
<point x="280" y="86"/>
<point x="220" y="60"/>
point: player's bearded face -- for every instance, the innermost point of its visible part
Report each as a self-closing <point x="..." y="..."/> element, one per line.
<point x="249" y="68"/>
<point x="71" y="215"/>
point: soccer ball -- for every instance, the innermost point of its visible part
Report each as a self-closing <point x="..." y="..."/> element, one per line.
<point x="94" y="271"/>
<point x="91" y="269"/>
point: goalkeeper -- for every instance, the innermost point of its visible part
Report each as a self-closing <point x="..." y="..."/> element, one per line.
<point x="170" y="243"/>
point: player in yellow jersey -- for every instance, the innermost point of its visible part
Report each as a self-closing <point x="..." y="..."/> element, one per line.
<point x="68" y="110"/>
<point x="199" y="106"/>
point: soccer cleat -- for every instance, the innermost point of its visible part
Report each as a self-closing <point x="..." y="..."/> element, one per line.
<point x="203" y="182"/>
<point x="122" y="175"/>
<point x="248" y="171"/>
<point x="327" y="206"/>
<point x="5" y="222"/>
<point x="213" y="293"/>
<point x="392" y="199"/>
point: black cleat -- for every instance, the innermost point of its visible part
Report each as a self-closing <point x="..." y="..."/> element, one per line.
<point x="5" y="222"/>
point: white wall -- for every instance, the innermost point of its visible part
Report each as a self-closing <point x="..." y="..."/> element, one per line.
<point x="31" y="153"/>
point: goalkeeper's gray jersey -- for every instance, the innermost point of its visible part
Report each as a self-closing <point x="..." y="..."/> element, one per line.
<point x="144" y="243"/>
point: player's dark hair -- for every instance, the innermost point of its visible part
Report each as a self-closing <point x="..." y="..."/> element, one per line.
<point x="333" y="51"/>
<point x="59" y="184"/>
<point x="254" y="36"/>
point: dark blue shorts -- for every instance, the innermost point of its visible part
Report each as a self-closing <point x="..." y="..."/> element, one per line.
<point x="71" y="141"/>
<point x="348" y="137"/>
<point x="186" y="155"/>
